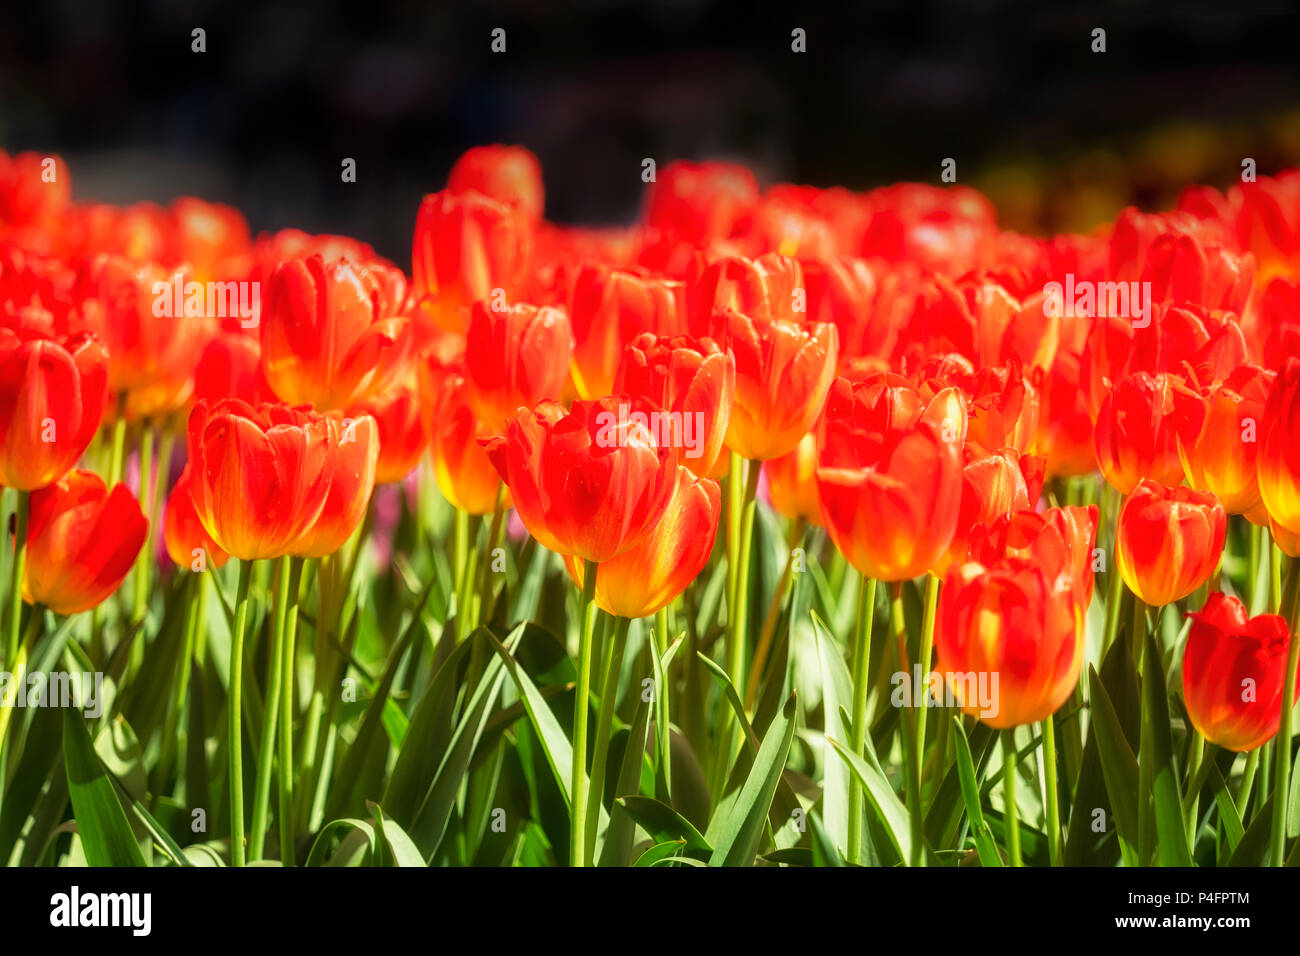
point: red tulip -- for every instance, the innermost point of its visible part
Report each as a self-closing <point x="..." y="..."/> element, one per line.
<point x="260" y="474"/>
<point x="515" y="358"/>
<point x="646" y="577"/>
<point x="327" y="338"/>
<point x="691" y="378"/>
<point x="591" y="482"/>
<point x="1278" y="464"/>
<point x="52" y="396"/>
<point x="1234" y="669"/>
<point x="991" y="486"/>
<point x="507" y="174"/>
<point x="230" y="366"/>
<point x="1136" y="435"/>
<point x="768" y="287"/>
<point x="1168" y="541"/>
<point x="461" y="467"/>
<point x="700" y="201"/>
<point x="402" y="436"/>
<point x="353" y="455"/>
<point x="792" y="482"/>
<point x="1059" y="539"/>
<point x="81" y="542"/>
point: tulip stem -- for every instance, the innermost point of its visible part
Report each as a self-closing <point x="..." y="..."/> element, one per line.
<point x="861" y="688"/>
<point x="288" y="675"/>
<point x="912" y="761"/>
<point x="17" y="568"/>
<point x="494" y="532"/>
<point x="234" y="718"/>
<point x="1011" y="816"/>
<point x="462" y="572"/>
<point x="271" y="715"/>
<point x="927" y="653"/>
<point x="740" y="602"/>
<point x="144" y="560"/>
<point x="1247" y="782"/>
<point x="611" y="670"/>
<point x="581" y="698"/>
<point x="1282" y="760"/>
<point x="117" y="455"/>
<point x="1051" y="808"/>
<point x="765" y="637"/>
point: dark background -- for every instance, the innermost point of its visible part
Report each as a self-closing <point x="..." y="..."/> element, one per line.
<point x="886" y="90"/>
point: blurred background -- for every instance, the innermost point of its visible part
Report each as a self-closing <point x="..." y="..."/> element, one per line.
<point x="1060" y="137"/>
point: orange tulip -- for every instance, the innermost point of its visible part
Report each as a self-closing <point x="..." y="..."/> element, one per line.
<point x="610" y="307"/>
<point x="1220" y="455"/>
<point x="230" y="366"/>
<point x="700" y="201"/>
<point x="259" y="475"/>
<point x="508" y="174"/>
<point x="353" y="455"/>
<point x="188" y="543"/>
<point x="769" y="287"/>
<point x="644" y="578"/>
<point x="1064" y="424"/>
<point x="1136" y="435"/>
<point x="52" y="395"/>
<point x="402" y="436"/>
<point x="466" y="246"/>
<point x="783" y="373"/>
<point x="991" y="486"/>
<point x="461" y="467"/>
<point x="1009" y="640"/>
<point x="1061" y="539"/>
<point x="889" y="477"/>
<point x="792" y="482"/>
<point x="591" y="482"/>
<point x="327" y="337"/>
<point x="1234" y="669"/>
<point x="1278" y="464"/>
<point x="81" y="542"/>
<point x="690" y="378"/>
<point x="1168" y="541"/>
<point x="515" y="358"/>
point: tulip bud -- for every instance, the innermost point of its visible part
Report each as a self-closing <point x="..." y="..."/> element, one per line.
<point x="507" y="174"/>
<point x="515" y="358"/>
<point x="1234" y="670"/>
<point x="1136" y="437"/>
<point x="465" y="475"/>
<point x="1168" y="541"/>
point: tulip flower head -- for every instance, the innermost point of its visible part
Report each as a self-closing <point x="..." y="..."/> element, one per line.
<point x="1169" y="541"/>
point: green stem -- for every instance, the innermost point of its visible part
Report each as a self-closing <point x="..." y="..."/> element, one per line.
<point x="144" y="561"/>
<point x="912" y="762"/>
<point x="768" y="633"/>
<point x="234" y="717"/>
<point x="861" y="689"/>
<point x="1255" y="543"/>
<point x="462" y="570"/>
<point x="1198" y="768"/>
<point x="1282" y="758"/>
<point x="288" y="675"/>
<point x="1052" y="810"/>
<point x="927" y="653"/>
<point x="1247" y="781"/>
<point x="17" y="568"/>
<point x="1012" y="814"/>
<point x="739" y="621"/>
<point x="494" y="534"/>
<point x="266" y="750"/>
<point x="118" y="456"/>
<point x="612" y="668"/>
<point x="582" y="695"/>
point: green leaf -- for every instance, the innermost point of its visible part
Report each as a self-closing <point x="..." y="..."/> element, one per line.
<point x="737" y="844"/>
<point x="401" y="849"/>
<point x="881" y="796"/>
<point x="617" y="848"/>
<point x="1118" y="766"/>
<point x="319" y="849"/>
<point x="660" y="853"/>
<point x="1228" y="815"/>
<point x="663" y="823"/>
<point x="970" y="792"/>
<point x="837" y="690"/>
<point x="1170" y="826"/>
<point x="106" y="836"/>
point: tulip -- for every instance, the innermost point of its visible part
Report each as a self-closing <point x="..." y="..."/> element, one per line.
<point x="889" y="477"/>
<point x="992" y="486"/>
<point x="327" y="339"/>
<point x="230" y="366"/>
<point x="1064" y="425"/>
<point x="610" y="307"/>
<point x="1058" y="539"/>
<point x="52" y="395"/>
<point x="644" y="578"/>
<point x="1278" y="464"/>
<point x="792" y="482"/>
<point x="692" y="379"/>
<point x="783" y="373"/>
<point x="353" y="457"/>
<point x="769" y="287"/>
<point x="461" y="467"/>
<point x="82" y="540"/>
<point x="1234" y="669"/>
<point x="1136" y="435"/>
<point x="466" y="246"/>
<point x="260" y="474"/>
<point x="1221" y="455"/>
<point x="700" y="201"/>
<point x="515" y="358"/>
<point x="507" y="174"/>
<point x="590" y="482"/>
<point x="402" y="436"/>
<point x="188" y="543"/>
<point x="1168" y="541"/>
<point x="210" y="237"/>
<point x="1014" y="622"/>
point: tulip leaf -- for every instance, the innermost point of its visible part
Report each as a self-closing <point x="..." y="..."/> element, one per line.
<point x="663" y="823"/>
<point x="1171" y="828"/>
<point x="1253" y="848"/>
<point x="398" y="847"/>
<point x="661" y="853"/>
<point x="106" y="835"/>
<point x="617" y="848"/>
<point x="881" y="796"/>
<point x="984" y="843"/>
<point x="738" y="839"/>
<point x="837" y="689"/>
<point x="1228" y="815"/>
<point x="319" y="849"/>
<point x="1118" y="766"/>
